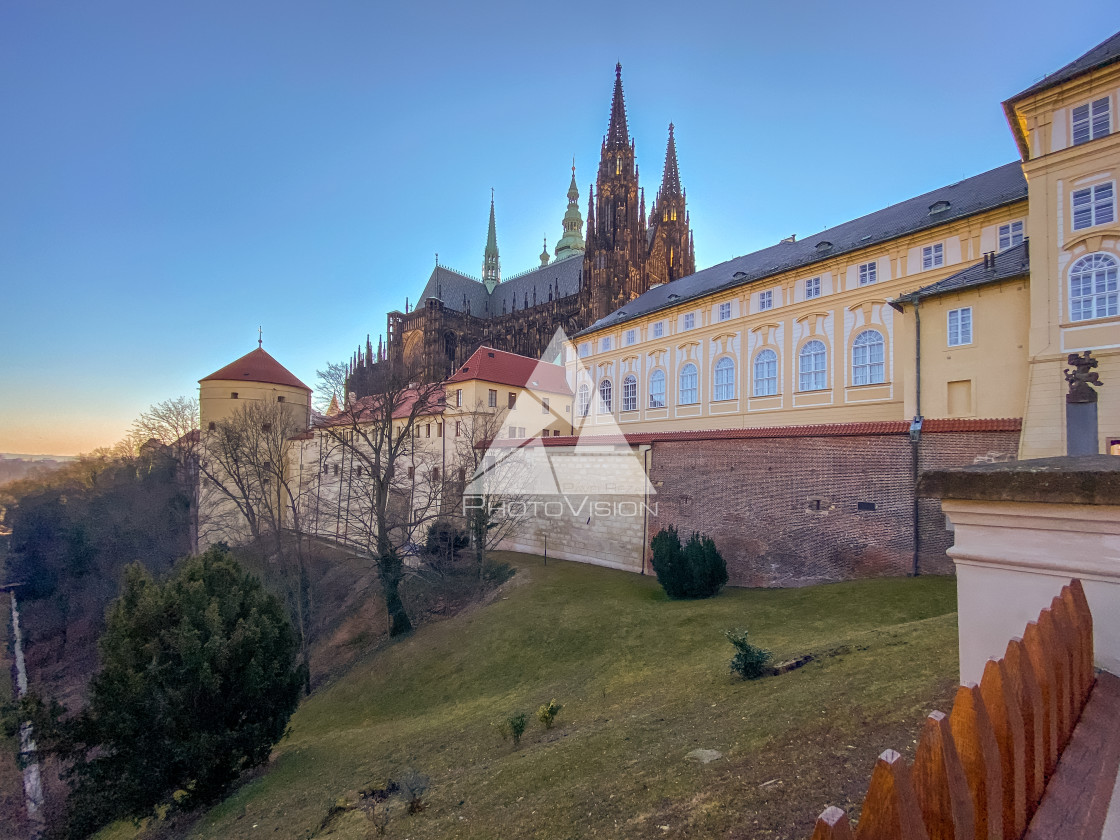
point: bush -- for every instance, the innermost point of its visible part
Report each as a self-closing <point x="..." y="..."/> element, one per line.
<point x="444" y="540"/>
<point x="696" y="570"/>
<point x="547" y="713"/>
<point x="750" y="661"/>
<point x="514" y="726"/>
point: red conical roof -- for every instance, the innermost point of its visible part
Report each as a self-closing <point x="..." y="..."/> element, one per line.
<point x="257" y="366"/>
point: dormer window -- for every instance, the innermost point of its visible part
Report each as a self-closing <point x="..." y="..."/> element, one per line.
<point x="1091" y="120"/>
<point x="823" y="245"/>
<point x="939" y="207"/>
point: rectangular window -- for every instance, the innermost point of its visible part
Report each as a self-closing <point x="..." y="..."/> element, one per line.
<point x="585" y="350"/>
<point x="427" y="430"/>
<point x="513" y="431"/>
<point x="605" y="343"/>
<point x="867" y="273"/>
<point x="411" y="472"/>
<point x="512" y="399"/>
<point x="1093" y="206"/>
<point x="462" y="475"/>
<point x="812" y="288"/>
<point x="659" y="329"/>
<point x="630" y="337"/>
<point x="459" y="398"/>
<point x="960" y="326"/>
<point x="458" y="428"/>
<point x="725" y="311"/>
<point x="233" y="396"/>
<point x="1090" y="121"/>
<point x="493" y="398"/>
<point x="933" y="256"/>
<point x="213" y="426"/>
<point x="279" y="399"/>
<point x="1010" y="235"/>
<point x="544" y="405"/>
<point x="765" y="300"/>
<point x="556" y="433"/>
<point x="439" y="430"/>
<point x="689" y="321"/>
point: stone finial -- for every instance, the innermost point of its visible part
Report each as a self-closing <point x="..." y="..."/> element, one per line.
<point x="1082" y="378"/>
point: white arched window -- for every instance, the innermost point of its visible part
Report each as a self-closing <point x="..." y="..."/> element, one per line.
<point x="583" y="401"/>
<point x="725" y="379"/>
<point x="657" y="389"/>
<point x="766" y="373"/>
<point x="688" y="391"/>
<point x="630" y="393"/>
<point x="605" y="389"/>
<point x="1093" y="287"/>
<point x="867" y="358"/>
<point x="811" y="362"/>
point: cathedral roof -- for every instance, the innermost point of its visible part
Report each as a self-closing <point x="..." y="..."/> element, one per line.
<point x="453" y="287"/>
<point x="257" y="366"/>
<point x="502" y="368"/>
<point x="995" y="188"/>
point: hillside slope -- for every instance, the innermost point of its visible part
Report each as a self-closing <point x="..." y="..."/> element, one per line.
<point x="644" y="681"/>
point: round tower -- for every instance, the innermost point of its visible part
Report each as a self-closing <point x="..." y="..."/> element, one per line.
<point x="256" y="376"/>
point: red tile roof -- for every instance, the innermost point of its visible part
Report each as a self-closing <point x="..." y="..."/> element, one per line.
<point x="881" y="427"/>
<point x="504" y="368"/>
<point x="257" y="366"/>
<point x="364" y="410"/>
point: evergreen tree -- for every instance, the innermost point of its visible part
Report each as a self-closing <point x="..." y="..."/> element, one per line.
<point x="198" y="680"/>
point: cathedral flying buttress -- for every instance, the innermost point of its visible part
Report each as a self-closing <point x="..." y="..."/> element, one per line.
<point x="589" y="275"/>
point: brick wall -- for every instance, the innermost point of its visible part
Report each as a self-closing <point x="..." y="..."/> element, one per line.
<point x="785" y="511"/>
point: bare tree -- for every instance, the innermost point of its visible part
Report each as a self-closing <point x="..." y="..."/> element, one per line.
<point x="492" y="480"/>
<point x="174" y="425"/>
<point x="393" y="478"/>
<point x="252" y="491"/>
<point x="331" y="384"/>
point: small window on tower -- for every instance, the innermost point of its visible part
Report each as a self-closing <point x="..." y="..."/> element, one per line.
<point x="233" y="396"/>
<point x="279" y="399"/>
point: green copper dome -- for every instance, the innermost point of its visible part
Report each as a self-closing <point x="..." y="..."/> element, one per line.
<point x="571" y="243"/>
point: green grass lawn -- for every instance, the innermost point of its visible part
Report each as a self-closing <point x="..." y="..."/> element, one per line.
<point x="643" y="681"/>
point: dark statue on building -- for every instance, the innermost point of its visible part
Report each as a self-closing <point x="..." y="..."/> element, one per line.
<point x="1082" y="437"/>
<point x="1082" y="378"/>
<point x="623" y="256"/>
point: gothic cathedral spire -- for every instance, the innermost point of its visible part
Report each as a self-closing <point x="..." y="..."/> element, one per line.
<point x="614" y="262"/>
<point x="491" y="265"/>
<point x="671" y="253"/>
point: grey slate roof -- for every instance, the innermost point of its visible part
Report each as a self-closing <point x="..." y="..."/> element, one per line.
<point x="994" y="188"/>
<point x="1104" y="53"/>
<point x="454" y="288"/>
<point x="1013" y="262"/>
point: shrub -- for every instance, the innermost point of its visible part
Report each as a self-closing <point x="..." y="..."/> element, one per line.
<point x="547" y="713"/>
<point x="750" y="661"/>
<point x="444" y="540"/>
<point x="514" y="726"/>
<point x="696" y="570"/>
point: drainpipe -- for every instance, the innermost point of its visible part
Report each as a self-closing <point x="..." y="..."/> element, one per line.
<point x="916" y="427"/>
<point x="916" y="423"/>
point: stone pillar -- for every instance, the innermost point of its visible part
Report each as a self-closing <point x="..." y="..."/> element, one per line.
<point x="1022" y="530"/>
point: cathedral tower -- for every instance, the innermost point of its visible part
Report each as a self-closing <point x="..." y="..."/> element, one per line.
<point x="571" y="243"/>
<point x="491" y="265"/>
<point x="614" y="262"/>
<point x="671" y="253"/>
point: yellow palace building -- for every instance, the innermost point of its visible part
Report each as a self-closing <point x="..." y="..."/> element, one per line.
<point x="961" y="303"/>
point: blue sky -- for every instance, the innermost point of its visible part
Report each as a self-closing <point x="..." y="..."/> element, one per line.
<point x="174" y="175"/>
